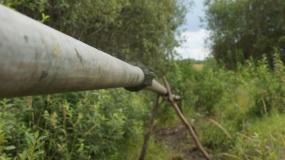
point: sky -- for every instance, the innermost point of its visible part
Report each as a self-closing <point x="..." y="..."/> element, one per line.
<point x="194" y="35"/>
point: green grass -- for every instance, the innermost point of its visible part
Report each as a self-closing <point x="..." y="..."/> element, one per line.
<point x="265" y="138"/>
<point x="246" y="108"/>
<point x="157" y="150"/>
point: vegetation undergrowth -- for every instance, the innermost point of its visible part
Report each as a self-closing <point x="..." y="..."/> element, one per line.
<point x="84" y="125"/>
<point x="239" y="114"/>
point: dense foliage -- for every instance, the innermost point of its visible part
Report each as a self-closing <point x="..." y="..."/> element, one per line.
<point x="128" y="29"/>
<point x="96" y="124"/>
<point x="240" y="114"/>
<point x="245" y="29"/>
<point x="86" y="125"/>
<point x="237" y="114"/>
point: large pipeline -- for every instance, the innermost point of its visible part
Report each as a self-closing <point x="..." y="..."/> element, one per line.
<point x="36" y="59"/>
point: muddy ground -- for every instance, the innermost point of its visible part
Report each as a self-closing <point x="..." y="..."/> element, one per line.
<point x="179" y="139"/>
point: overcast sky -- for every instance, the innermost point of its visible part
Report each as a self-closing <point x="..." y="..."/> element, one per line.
<point x="194" y="34"/>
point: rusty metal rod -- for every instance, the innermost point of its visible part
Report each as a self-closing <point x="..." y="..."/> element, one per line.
<point x="36" y="59"/>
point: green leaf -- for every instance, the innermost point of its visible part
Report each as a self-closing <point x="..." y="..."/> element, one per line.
<point x="30" y="139"/>
<point x="9" y="148"/>
<point x="39" y="145"/>
<point x="41" y="137"/>
<point x="39" y="152"/>
<point x="36" y="134"/>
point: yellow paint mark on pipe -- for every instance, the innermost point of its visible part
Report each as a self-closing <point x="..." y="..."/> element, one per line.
<point x="56" y="50"/>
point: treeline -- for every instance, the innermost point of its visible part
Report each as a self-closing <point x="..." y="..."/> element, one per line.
<point x="245" y="29"/>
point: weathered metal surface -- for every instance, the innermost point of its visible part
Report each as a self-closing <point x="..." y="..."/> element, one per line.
<point x="36" y="59"/>
<point x="157" y="87"/>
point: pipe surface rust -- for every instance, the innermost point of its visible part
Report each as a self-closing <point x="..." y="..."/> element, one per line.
<point x="36" y="59"/>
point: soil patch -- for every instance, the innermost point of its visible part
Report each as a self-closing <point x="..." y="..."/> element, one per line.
<point x="179" y="140"/>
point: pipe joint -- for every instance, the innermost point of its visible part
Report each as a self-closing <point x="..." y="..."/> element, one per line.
<point x="148" y="77"/>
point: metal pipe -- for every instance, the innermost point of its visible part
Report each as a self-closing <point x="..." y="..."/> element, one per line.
<point x="36" y="59"/>
<point x="157" y="87"/>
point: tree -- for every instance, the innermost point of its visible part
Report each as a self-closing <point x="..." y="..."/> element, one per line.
<point x="245" y="29"/>
<point x="132" y="30"/>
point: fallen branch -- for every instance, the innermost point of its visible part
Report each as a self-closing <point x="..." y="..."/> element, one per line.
<point x="231" y="155"/>
<point x="185" y="122"/>
<point x="222" y="128"/>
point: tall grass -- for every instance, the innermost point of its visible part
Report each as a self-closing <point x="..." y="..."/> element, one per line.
<point x="241" y="113"/>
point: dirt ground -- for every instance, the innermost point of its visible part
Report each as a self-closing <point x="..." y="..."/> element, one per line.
<point x="179" y="140"/>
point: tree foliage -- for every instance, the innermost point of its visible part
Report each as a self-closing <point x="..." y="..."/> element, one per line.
<point x="132" y="30"/>
<point x="94" y="124"/>
<point x="246" y="28"/>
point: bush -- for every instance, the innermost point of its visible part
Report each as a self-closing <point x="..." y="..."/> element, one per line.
<point x="82" y="125"/>
<point x="248" y="104"/>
